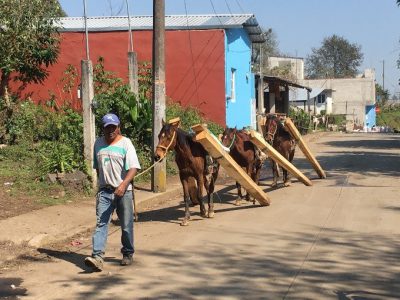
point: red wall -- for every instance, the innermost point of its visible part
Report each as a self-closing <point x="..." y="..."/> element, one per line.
<point x="195" y="63"/>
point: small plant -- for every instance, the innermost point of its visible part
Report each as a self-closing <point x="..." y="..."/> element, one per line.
<point x="301" y="120"/>
<point x="56" y="157"/>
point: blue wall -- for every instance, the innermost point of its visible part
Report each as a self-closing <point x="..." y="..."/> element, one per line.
<point x="370" y="116"/>
<point x="238" y="57"/>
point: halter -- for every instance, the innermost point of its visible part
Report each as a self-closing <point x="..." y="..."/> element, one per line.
<point x="272" y="135"/>
<point x="233" y="140"/>
<point x="170" y="143"/>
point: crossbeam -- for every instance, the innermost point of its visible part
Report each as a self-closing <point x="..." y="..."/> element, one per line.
<point x="303" y="146"/>
<point x="211" y="144"/>
<point x="261" y="144"/>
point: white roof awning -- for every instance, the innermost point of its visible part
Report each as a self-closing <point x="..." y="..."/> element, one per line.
<point x="172" y="22"/>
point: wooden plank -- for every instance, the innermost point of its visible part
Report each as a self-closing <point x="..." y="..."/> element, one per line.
<point x="303" y="146"/>
<point x="261" y="144"/>
<point x="213" y="147"/>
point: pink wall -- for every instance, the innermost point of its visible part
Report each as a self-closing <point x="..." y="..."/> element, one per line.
<point x="195" y="72"/>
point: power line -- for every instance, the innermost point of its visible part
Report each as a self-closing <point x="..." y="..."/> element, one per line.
<point x="191" y="52"/>
<point x="240" y="7"/>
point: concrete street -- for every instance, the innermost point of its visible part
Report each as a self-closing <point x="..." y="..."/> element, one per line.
<point x="339" y="239"/>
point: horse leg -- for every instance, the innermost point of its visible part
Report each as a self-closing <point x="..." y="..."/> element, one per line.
<point x="274" y="173"/>
<point x="287" y="181"/>
<point x="185" y="186"/>
<point x="238" y="201"/>
<point x="209" y="186"/>
<point x="256" y="176"/>
<point x="200" y="183"/>
<point x="250" y="172"/>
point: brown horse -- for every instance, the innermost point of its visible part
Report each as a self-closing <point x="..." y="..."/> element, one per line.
<point x="194" y="164"/>
<point x="282" y="141"/>
<point x="244" y="152"/>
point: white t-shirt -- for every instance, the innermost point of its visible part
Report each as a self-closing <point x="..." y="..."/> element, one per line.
<point x="114" y="161"/>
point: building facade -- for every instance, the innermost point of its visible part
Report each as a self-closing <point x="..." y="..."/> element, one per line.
<point x="207" y="60"/>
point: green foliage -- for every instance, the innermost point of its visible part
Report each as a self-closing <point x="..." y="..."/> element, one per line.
<point x="382" y="96"/>
<point x="105" y="82"/>
<point x="336" y="58"/>
<point x="337" y="119"/>
<point x="269" y="48"/>
<point x="56" y="157"/>
<point x="301" y="120"/>
<point x="190" y="116"/>
<point x="29" y="41"/>
<point x="390" y="117"/>
<point x="135" y="113"/>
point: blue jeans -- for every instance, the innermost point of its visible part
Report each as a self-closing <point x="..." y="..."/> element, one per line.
<point x="106" y="202"/>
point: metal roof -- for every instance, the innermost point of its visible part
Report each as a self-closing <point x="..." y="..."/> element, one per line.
<point x="173" y="22"/>
<point x="283" y="82"/>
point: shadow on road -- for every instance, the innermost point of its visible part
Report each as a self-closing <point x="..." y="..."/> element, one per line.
<point x="10" y="288"/>
<point x="345" y="265"/>
<point x="72" y="257"/>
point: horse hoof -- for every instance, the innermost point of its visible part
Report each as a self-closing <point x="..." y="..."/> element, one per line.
<point x="274" y="185"/>
<point x="211" y="214"/>
<point x="288" y="183"/>
<point x="203" y="215"/>
<point x="238" y="202"/>
<point x="185" y="223"/>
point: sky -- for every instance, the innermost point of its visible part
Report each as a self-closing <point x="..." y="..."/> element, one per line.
<point x="299" y="25"/>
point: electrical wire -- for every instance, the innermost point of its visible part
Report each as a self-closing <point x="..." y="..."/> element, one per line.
<point x="191" y="53"/>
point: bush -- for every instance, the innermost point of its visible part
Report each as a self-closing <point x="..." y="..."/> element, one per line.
<point x="301" y="120"/>
<point x="190" y="116"/>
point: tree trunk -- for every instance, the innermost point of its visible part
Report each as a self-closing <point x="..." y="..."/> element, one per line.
<point x="5" y="78"/>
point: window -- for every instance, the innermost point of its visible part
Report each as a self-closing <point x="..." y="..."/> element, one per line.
<point x="321" y="98"/>
<point x="233" y="85"/>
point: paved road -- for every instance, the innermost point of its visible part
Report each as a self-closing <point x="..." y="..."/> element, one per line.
<point x="339" y="239"/>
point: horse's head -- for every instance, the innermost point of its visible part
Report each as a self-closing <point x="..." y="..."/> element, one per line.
<point x="271" y="127"/>
<point x="228" y="137"/>
<point x="166" y="140"/>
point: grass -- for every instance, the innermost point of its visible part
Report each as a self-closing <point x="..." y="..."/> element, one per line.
<point x="20" y="176"/>
<point x="389" y="117"/>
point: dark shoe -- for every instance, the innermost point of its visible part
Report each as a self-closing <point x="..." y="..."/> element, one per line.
<point x="126" y="260"/>
<point x="96" y="263"/>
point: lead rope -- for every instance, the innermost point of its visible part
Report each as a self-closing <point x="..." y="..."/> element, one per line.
<point x="166" y="151"/>
<point x="148" y="169"/>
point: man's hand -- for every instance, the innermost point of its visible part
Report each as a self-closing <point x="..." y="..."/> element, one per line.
<point x="120" y="190"/>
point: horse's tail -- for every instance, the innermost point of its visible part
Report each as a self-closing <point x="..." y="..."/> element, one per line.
<point x="193" y="191"/>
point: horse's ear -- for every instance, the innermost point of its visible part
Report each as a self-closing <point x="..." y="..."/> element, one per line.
<point x="163" y="122"/>
<point x="220" y="136"/>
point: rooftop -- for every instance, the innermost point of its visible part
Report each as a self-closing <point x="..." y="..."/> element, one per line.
<point x="172" y="22"/>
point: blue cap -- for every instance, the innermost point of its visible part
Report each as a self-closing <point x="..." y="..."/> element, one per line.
<point x="110" y="119"/>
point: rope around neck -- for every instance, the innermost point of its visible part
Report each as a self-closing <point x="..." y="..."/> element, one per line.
<point x="159" y="161"/>
<point x="233" y="140"/>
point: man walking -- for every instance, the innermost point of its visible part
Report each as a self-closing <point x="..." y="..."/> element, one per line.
<point x="116" y="164"/>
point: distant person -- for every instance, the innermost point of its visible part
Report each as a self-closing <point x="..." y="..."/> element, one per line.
<point x="116" y="164"/>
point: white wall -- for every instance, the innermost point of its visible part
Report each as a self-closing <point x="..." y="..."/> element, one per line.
<point x="350" y="96"/>
<point x="296" y="64"/>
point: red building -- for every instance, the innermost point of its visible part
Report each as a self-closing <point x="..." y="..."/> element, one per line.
<point x="195" y="49"/>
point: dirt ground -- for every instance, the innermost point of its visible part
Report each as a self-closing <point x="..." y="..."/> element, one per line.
<point x="338" y="239"/>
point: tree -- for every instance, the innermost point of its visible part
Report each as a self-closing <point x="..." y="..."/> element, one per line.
<point x="268" y="48"/>
<point x="382" y="95"/>
<point x="29" y="41"/>
<point x="337" y="58"/>
<point x="398" y="61"/>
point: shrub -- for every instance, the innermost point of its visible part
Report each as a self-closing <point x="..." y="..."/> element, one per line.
<point x="301" y="120"/>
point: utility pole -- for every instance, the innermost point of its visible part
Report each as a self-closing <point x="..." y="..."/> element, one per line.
<point x="159" y="172"/>
<point x="132" y="58"/>
<point x="383" y="75"/>
<point x="89" y="133"/>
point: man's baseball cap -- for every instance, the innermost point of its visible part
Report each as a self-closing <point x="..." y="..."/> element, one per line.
<point x="110" y="119"/>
